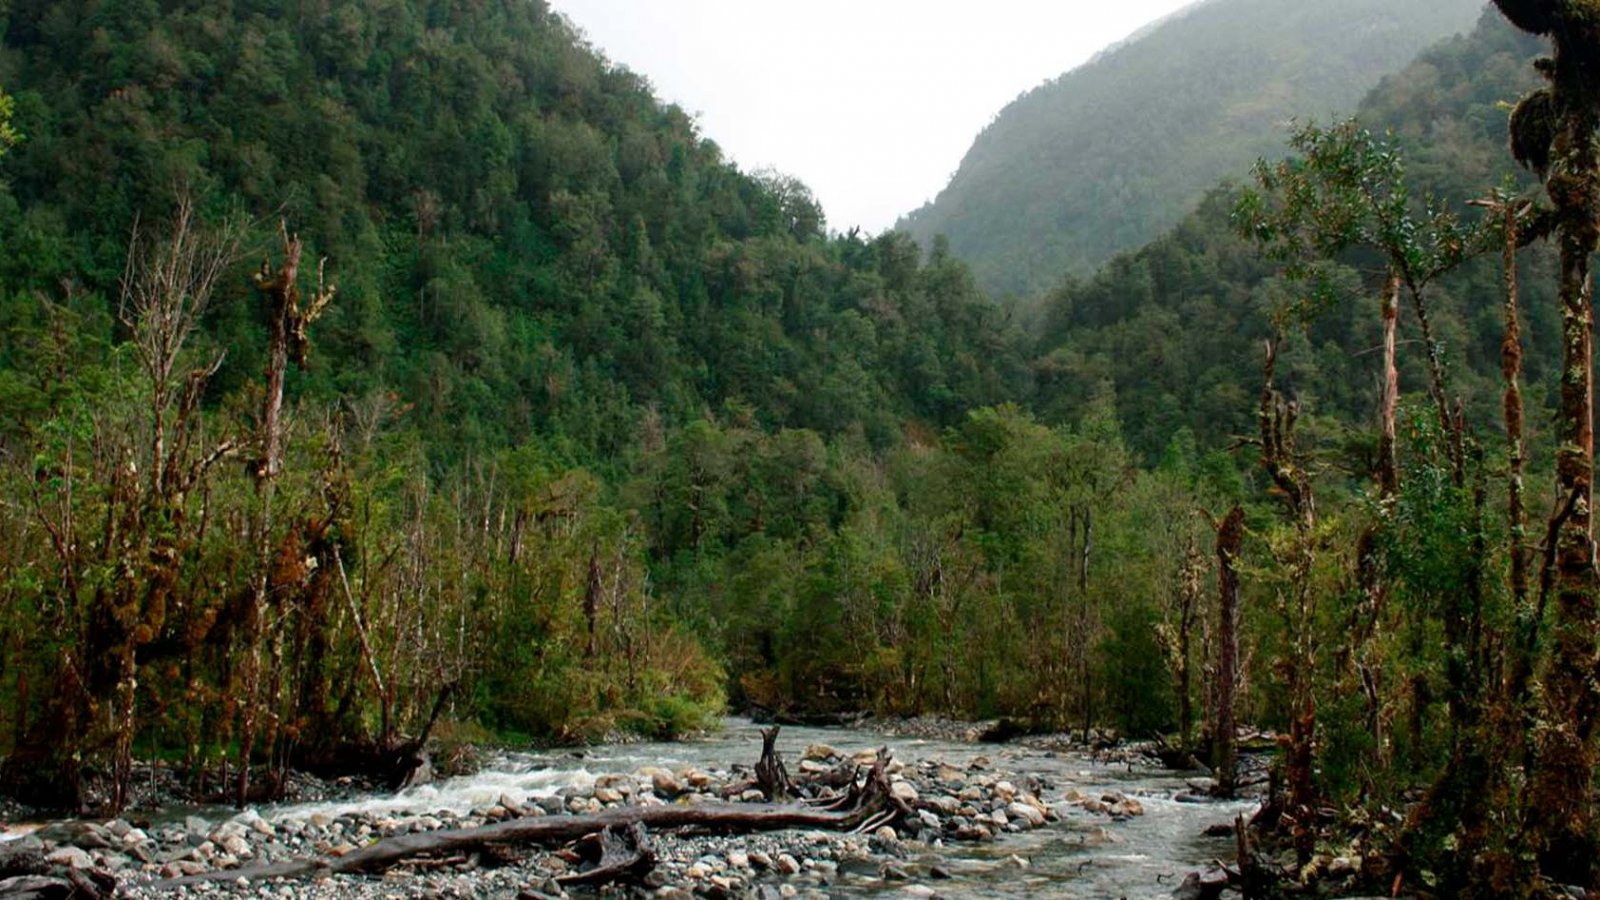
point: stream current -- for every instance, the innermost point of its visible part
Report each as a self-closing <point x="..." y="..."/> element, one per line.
<point x="1083" y="856"/>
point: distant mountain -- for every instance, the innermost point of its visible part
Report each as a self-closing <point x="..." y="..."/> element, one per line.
<point x="1175" y="327"/>
<point x="1110" y="155"/>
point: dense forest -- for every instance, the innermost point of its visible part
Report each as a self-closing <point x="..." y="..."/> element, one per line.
<point x="1110" y="155"/>
<point x="378" y="371"/>
<point x="1177" y="326"/>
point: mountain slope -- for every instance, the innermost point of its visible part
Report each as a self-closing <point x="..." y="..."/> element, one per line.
<point x="526" y="241"/>
<point x="1109" y="155"/>
<point x="1176" y="326"/>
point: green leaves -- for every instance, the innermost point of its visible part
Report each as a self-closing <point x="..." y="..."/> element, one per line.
<point x="9" y="136"/>
<point x="1346" y="189"/>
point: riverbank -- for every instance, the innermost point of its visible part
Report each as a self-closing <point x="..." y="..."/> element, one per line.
<point x="981" y="816"/>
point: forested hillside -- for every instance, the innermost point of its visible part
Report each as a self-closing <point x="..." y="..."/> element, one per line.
<point x="572" y="358"/>
<point x="1177" y="326"/>
<point x="1110" y="155"/>
<point x="372" y="373"/>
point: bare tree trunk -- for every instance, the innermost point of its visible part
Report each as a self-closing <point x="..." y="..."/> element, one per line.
<point x="1359" y="663"/>
<point x="1512" y="408"/>
<point x="1188" y="609"/>
<point x="592" y="596"/>
<point x="287" y="324"/>
<point x="1388" y="459"/>
<point x="1279" y="455"/>
<point x="1224" y="733"/>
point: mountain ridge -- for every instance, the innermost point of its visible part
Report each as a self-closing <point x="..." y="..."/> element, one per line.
<point x="1131" y="140"/>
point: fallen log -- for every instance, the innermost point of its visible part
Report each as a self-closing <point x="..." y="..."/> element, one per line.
<point x="388" y="852"/>
<point x="873" y="806"/>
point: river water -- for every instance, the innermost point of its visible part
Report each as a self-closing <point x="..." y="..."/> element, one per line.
<point x="1081" y="857"/>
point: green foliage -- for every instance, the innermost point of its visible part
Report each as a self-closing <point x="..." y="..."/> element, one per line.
<point x="1177" y="327"/>
<point x="9" y="136"/>
<point x="528" y="243"/>
<point x="610" y="435"/>
<point x="1345" y="189"/>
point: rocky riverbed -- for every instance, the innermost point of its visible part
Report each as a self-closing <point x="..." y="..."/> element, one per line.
<point x="985" y="821"/>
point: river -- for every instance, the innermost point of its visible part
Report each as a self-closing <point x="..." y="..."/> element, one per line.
<point x="1080" y="857"/>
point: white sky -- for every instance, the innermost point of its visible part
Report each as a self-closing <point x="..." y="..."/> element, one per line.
<point x="872" y="103"/>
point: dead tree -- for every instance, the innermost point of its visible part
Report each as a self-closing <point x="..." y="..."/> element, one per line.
<point x="288" y="324"/>
<point x="1224" y="732"/>
<point x="1175" y="636"/>
<point x="149" y="469"/>
<point x="1297" y="600"/>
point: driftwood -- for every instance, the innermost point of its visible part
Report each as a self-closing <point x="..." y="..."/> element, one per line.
<point x="869" y="805"/>
<point x="71" y="883"/>
<point x="771" y="777"/>
<point x="615" y="854"/>
<point x="24" y="873"/>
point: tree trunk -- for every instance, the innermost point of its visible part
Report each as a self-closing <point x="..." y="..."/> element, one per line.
<point x="1189" y="603"/>
<point x="1560" y="808"/>
<point x="1388" y="459"/>
<point x="1224" y="732"/>
<point x="1280" y="457"/>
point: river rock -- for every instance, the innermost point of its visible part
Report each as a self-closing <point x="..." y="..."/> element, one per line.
<point x="662" y="781"/>
<point x="1127" y="807"/>
<point x="235" y="845"/>
<point x="1202" y="885"/>
<point x="73" y="857"/>
<point x="787" y="864"/>
<point x="821" y="752"/>
<point x="1098" y="836"/>
<point x="904" y="791"/>
<point x="973" y="833"/>
<point x="1026" y="813"/>
<point x="252" y="821"/>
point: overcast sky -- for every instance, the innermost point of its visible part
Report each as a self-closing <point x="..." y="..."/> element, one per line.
<point x="870" y="102"/>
